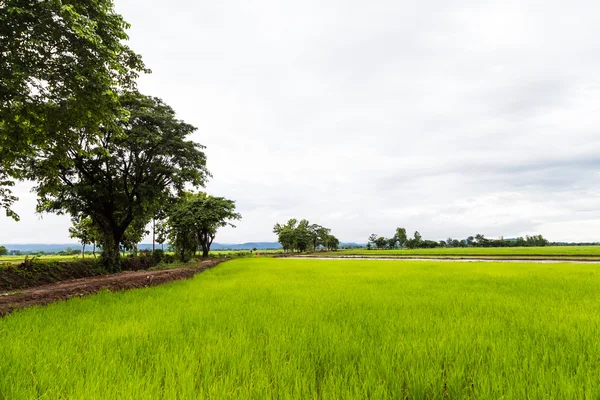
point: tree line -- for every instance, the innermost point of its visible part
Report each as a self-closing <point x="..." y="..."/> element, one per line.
<point x="303" y="236"/>
<point x="73" y="122"/>
<point x="401" y="240"/>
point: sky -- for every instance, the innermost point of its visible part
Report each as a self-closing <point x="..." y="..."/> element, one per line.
<point x="448" y="117"/>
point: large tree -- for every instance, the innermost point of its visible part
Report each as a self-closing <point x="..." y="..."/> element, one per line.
<point x="124" y="177"/>
<point x="62" y="64"/>
<point x="194" y="220"/>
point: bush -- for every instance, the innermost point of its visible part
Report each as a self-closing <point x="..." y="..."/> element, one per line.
<point x="141" y="262"/>
<point x="158" y="255"/>
<point x="168" y="258"/>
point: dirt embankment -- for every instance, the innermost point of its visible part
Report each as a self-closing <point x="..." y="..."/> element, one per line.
<point x="85" y="286"/>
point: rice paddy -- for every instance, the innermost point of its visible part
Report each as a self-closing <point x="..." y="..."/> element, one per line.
<point x="546" y="251"/>
<point x="319" y="329"/>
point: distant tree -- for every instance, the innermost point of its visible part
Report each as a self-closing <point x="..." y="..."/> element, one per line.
<point x="368" y="246"/>
<point x="318" y="235"/>
<point x="401" y="236"/>
<point x="3" y="251"/>
<point x="470" y="240"/>
<point x="302" y="236"/>
<point x="286" y="234"/>
<point x="391" y="242"/>
<point x="428" y="244"/>
<point x="373" y="238"/>
<point x="449" y="242"/>
<point x="418" y="238"/>
<point x="456" y="243"/>
<point x="85" y="231"/>
<point x="133" y="236"/>
<point x="481" y="241"/>
<point x="381" y="242"/>
<point x="331" y="242"/>
<point x="195" y="219"/>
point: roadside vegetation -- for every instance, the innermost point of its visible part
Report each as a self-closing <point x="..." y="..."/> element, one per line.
<point x="277" y="328"/>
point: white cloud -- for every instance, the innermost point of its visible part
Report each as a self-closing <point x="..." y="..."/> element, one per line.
<point x="452" y="118"/>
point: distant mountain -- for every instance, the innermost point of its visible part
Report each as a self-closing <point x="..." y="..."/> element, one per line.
<point x="352" y="245"/>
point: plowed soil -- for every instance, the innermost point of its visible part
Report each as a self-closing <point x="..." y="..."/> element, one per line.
<point x="85" y="286"/>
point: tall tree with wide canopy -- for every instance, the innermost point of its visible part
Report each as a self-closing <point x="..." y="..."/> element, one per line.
<point x="62" y="65"/>
<point x="123" y="178"/>
<point x="195" y="219"/>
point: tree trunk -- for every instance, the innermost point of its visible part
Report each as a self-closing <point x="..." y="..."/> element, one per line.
<point x="94" y="250"/>
<point x="111" y="255"/>
<point x="83" y="251"/>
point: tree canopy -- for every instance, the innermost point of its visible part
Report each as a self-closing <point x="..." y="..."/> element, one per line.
<point x="400" y="238"/>
<point x="302" y="236"/>
<point x="62" y="66"/>
<point x="194" y="219"/>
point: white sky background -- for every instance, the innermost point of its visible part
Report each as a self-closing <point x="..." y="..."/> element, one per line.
<point x="451" y="118"/>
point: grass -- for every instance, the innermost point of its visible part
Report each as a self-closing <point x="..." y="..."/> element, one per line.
<point x="547" y="251"/>
<point x="302" y="329"/>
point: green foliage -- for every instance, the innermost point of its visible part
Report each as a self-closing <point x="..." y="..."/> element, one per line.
<point x="194" y="219"/>
<point x="125" y="177"/>
<point x="3" y="251"/>
<point x="479" y="240"/>
<point x="302" y="236"/>
<point x="61" y="67"/>
<point x="401" y="236"/>
<point x="86" y="232"/>
<point x="310" y="329"/>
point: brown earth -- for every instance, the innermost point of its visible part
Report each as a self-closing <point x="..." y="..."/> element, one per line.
<point x="85" y="286"/>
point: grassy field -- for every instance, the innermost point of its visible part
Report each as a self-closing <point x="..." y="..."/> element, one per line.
<point x="276" y="328"/>
<point x="548" y="251"/>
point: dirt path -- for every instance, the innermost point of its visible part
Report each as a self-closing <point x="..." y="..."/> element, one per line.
<point x="85" y="286"/>
<point x="462" y="259"/>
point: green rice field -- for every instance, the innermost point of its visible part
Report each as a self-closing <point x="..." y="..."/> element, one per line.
<point x="265" y="328"/>
<point x="547" y="251"/>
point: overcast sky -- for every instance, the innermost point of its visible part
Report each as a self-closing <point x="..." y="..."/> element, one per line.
<point x="448" y="117"/>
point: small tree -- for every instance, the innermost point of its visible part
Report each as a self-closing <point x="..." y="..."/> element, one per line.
<point x="401" y="236"/>
<point x="381" y="242"/>
<point x="3" y="251"/>
<point x="84" y="230"/>
<point x="195" y="219"/>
